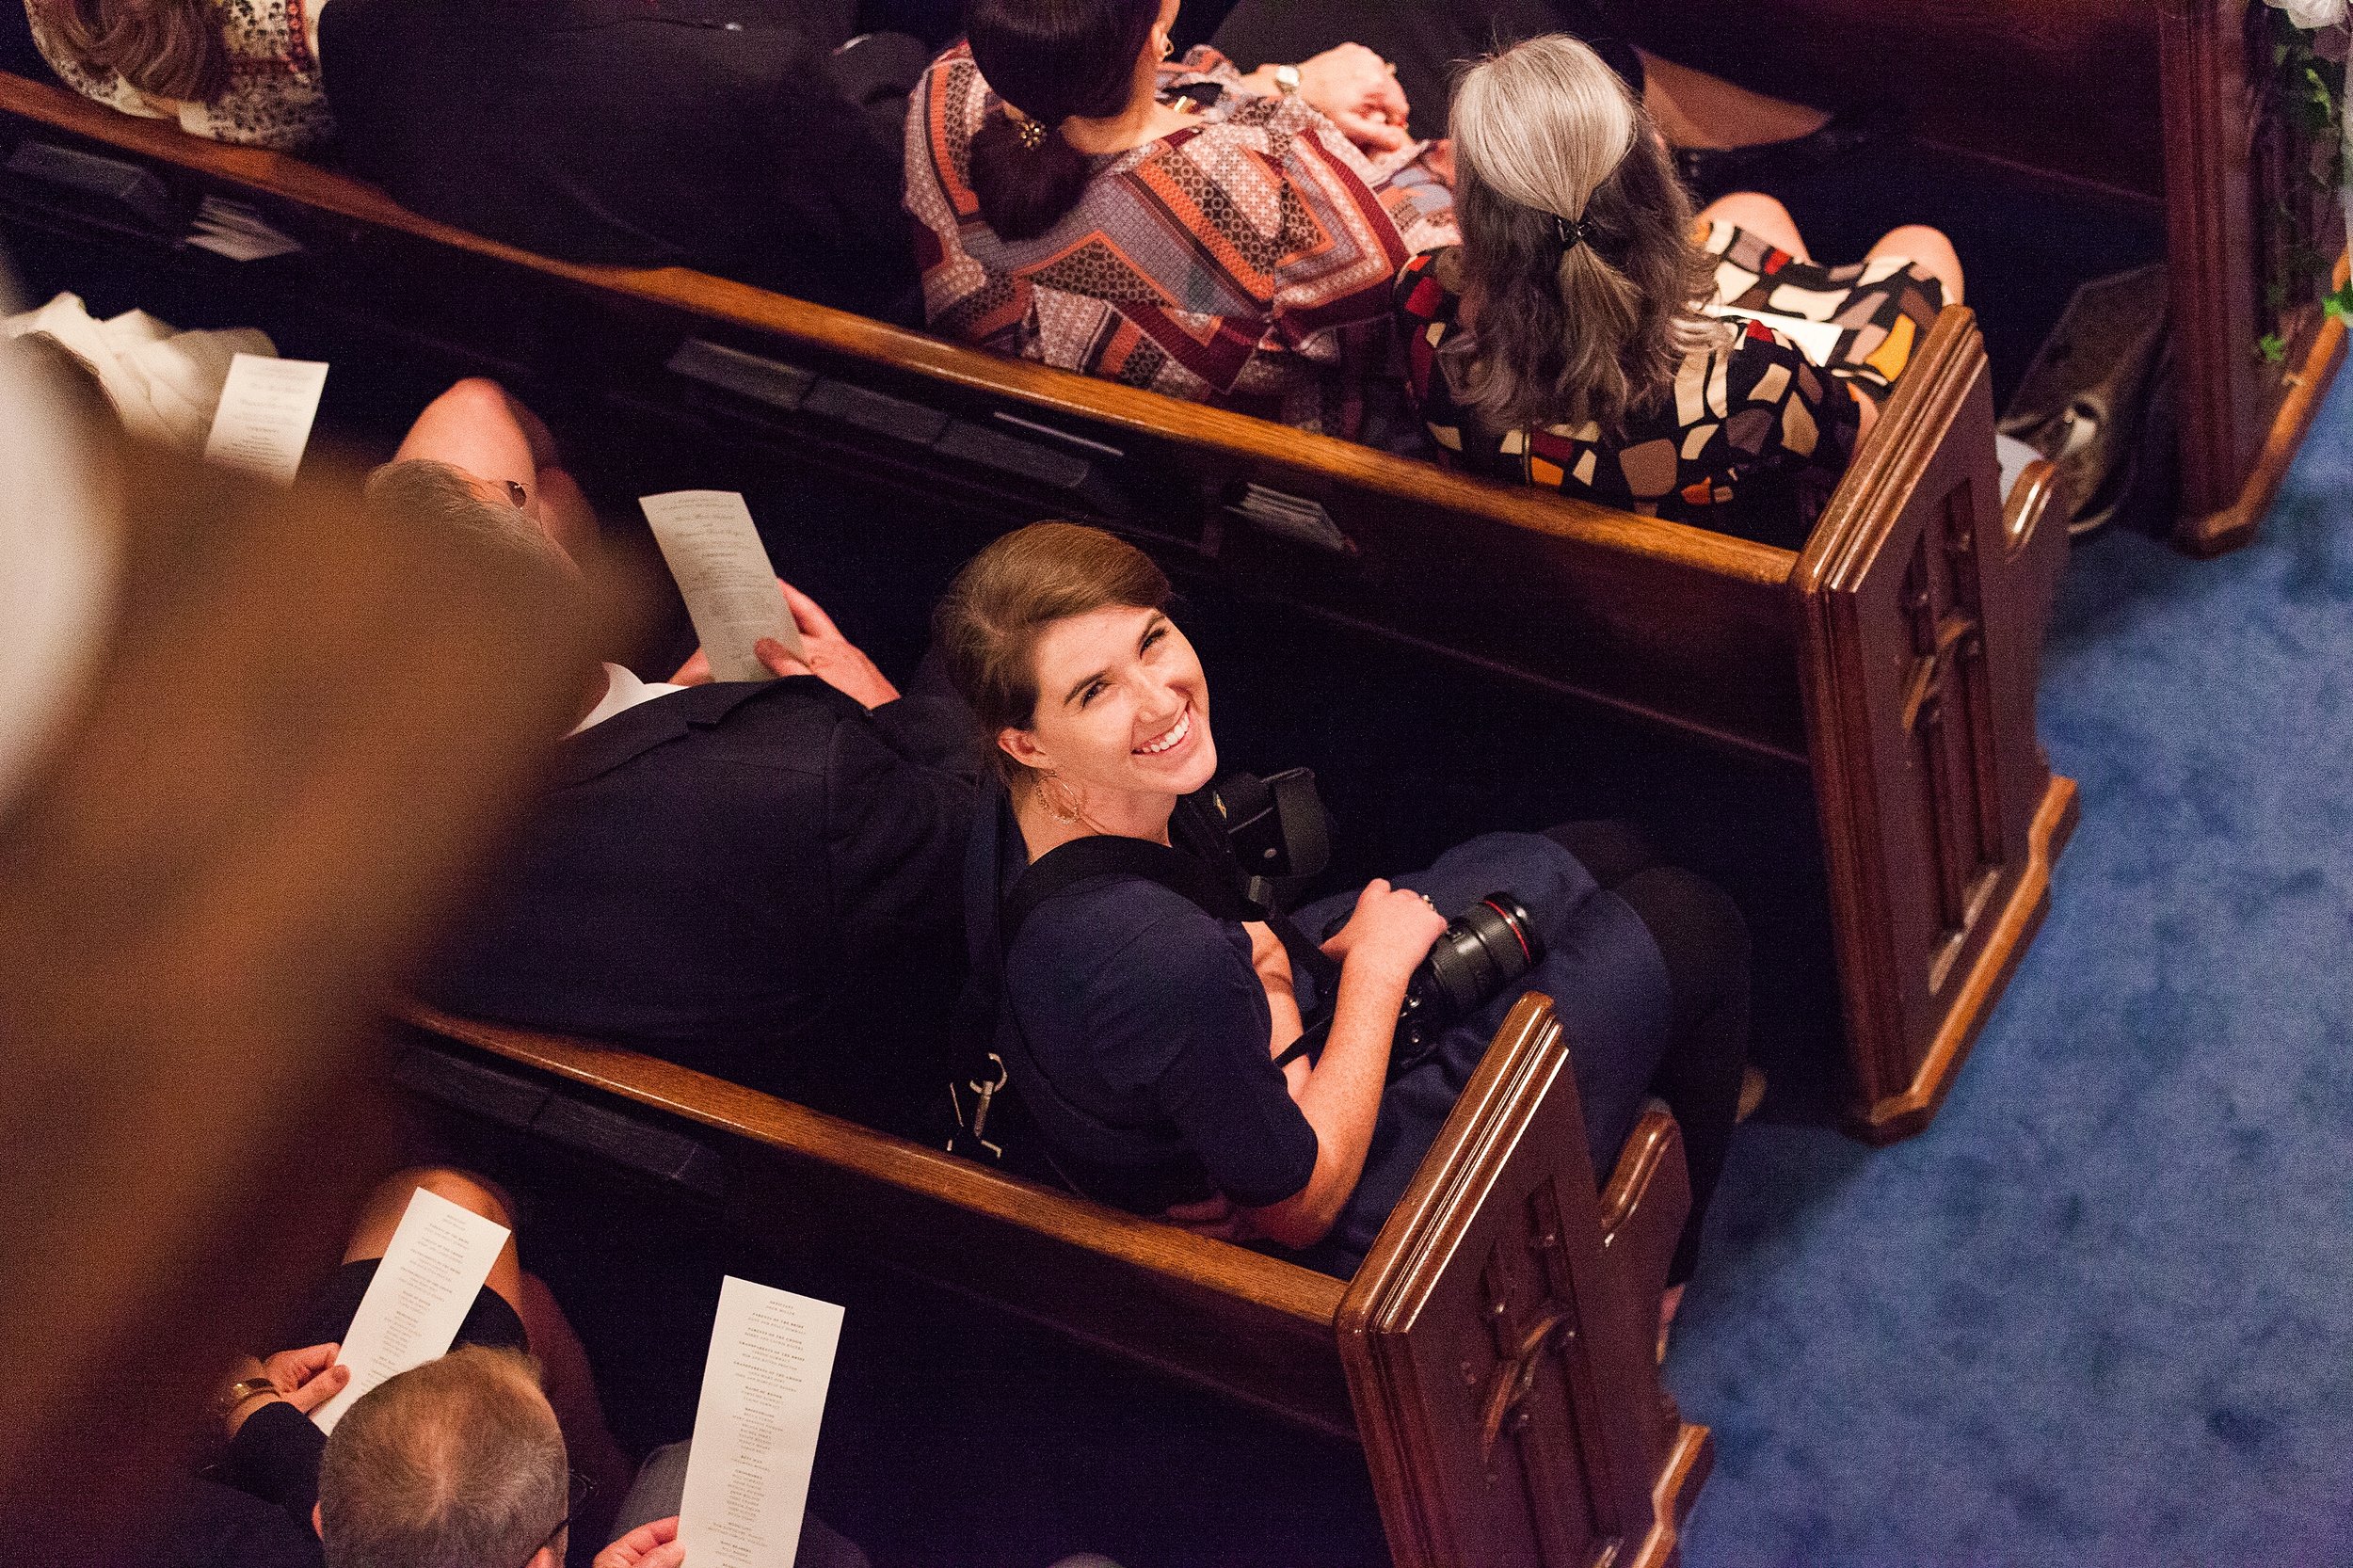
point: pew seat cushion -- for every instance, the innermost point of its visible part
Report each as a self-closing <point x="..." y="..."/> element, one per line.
<point x="1754" y="435"/>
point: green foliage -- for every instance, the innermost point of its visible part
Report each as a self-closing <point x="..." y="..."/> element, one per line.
<point x="2304" y="94"/>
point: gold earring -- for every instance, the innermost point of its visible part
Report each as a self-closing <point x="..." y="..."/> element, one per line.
<point x="1064" y="810"/>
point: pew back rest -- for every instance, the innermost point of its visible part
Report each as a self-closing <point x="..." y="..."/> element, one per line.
<point x="1498" y="1333"/>
<point x="1818" y="660"/>
<point x="1675" y="624"/>
<point x="1253" y="1325"/>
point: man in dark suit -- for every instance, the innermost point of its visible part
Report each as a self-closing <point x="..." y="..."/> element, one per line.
<point x="757" y="880"/>
<point x="739" y="137"/>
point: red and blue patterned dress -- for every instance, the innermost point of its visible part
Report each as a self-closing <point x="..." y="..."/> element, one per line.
<point x="1244" y="260"/>
<point x="1752" y="435"/>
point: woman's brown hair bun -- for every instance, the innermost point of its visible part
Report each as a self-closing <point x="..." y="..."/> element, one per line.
<point x="1054" y="60"/>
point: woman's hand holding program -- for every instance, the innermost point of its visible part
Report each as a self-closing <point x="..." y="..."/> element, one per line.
<point x="305" y="1379"/>
<point x="1389" y="933"/>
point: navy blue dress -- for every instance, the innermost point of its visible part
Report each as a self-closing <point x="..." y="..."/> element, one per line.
<point x="1142" y="1014"/>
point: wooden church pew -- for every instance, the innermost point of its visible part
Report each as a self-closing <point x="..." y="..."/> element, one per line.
<point x="1492" y="1354"/>
<point x="2161" y="100"/>
<point x="1890" y="665"/>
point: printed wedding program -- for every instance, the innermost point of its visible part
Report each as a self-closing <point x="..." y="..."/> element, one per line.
<point x="264" y="421"/>
<point x="756" y="1430"/>
<point x="419" y="1298"/>
<point x="713" y="550"/>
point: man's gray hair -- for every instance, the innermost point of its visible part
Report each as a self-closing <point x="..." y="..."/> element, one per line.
<point x="456" y="1463"/>
<point x="425" y="493"/>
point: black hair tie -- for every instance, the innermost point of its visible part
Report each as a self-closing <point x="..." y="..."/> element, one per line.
<point x="1570" y="231"/>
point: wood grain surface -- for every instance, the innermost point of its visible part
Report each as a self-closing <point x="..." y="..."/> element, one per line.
<point x="1252" y="1327"/>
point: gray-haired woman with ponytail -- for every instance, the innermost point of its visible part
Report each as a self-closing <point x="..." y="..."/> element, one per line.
<point x="1590" y="335"/>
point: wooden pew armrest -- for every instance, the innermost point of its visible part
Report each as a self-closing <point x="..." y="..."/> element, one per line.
<point x="932" y="1175"/>
<point x="1644" y="1207"/>
<point x="2030" y="500"/>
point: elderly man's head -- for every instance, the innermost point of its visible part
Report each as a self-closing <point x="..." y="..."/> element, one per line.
<point x="458" y="1464"/>
<point x="426" y="493"/>
<point x="478" y="516"/>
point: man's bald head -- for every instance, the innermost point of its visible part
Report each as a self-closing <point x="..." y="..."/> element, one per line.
<point x="456" y="1463"/>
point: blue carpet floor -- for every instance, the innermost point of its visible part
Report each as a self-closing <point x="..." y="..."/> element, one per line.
<point x="2102" y="1311"/>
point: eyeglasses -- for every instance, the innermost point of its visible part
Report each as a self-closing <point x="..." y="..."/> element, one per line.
<point x="576" y="1496"/>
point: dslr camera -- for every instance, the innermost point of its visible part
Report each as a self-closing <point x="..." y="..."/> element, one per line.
<point x="1280" y="836"/>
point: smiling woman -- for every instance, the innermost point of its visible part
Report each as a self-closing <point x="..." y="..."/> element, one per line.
<point x="1149" y="1029"/>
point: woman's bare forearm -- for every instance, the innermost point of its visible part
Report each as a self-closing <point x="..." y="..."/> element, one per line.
<point x="1341" y="1100"/>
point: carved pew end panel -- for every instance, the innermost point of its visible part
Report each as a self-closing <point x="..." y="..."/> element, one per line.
<point x="1497" y="1343"/>
<point x="2013" y="924"/>
<point x="1924" y="603"/>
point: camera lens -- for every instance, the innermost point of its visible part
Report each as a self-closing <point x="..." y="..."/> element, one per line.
<point x="1483" y="950"/>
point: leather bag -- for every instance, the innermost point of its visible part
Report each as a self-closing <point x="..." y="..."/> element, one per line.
<point x="2097" y="400"/>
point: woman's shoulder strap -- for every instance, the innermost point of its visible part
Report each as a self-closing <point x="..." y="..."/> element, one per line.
<point x="1113" y="854"/>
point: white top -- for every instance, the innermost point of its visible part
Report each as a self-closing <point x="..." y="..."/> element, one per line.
<point x="59" y="542"/>
<point x="164" y="384"/>
<point x="622" y="692"/>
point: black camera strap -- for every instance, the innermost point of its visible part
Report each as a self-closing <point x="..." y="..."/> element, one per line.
<point x="1214" y="889"/>
<point x="1111" y="854"/>
<point x="1204" y="871"/>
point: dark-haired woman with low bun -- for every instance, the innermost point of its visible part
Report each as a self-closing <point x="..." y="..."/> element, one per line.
<point x="1151" y="1039"/>
<point x="1590" y="336"/>
<point x="235" y="70"/>
<point x="1086" y="201"/>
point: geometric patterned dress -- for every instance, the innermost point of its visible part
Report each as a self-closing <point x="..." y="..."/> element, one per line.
<point x="274" y="99"/>
<point x="1752" y="435"/>
<point x="1244" y="260"/>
